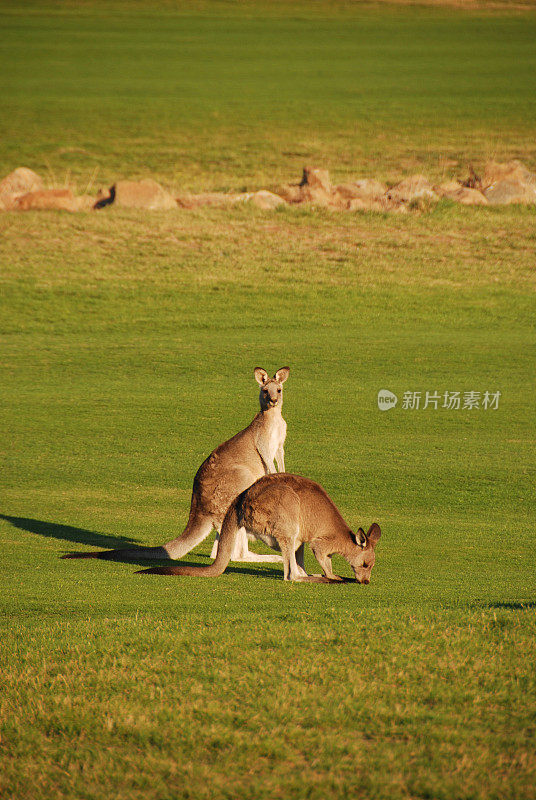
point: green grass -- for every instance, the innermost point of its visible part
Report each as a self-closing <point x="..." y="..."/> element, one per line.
<point x="128" y="343"/>
<point x="242" y="95"/>
<point x="128" y="348"/>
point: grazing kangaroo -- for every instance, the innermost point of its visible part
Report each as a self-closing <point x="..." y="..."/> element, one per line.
<point x="285" y="511"/>
<point x="229" y="469"/>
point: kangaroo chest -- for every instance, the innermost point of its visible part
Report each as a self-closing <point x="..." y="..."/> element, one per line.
<point x="273" y="436"/>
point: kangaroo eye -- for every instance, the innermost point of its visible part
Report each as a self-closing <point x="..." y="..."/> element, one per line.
<point x="279" y="391"/>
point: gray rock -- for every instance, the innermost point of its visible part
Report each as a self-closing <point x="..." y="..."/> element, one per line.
<point x="507" y="191"/>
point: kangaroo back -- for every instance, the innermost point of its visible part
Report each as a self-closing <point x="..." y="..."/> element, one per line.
<point x="228" y="535"/>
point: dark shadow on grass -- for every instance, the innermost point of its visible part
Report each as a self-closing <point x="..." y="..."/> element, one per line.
<point x="259" y="572"/>
<point x="514" y="605"/>
<point x="67" y="533"/>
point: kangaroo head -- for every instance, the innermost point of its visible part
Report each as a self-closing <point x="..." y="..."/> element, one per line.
<point x="363" y="557"/>
<point x="271" y="394"/>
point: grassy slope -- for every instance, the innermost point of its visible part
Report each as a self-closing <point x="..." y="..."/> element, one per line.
<point x="127" y="349"/>
<point x="245" y="94"/>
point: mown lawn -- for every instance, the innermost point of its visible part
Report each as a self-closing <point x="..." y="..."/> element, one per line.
<point x="128" y="343"/>
<point x="232" y="95"/>
<point x="128" y="348"/>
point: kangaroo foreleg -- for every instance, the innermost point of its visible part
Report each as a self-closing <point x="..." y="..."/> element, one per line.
<point x="325" y="562"/>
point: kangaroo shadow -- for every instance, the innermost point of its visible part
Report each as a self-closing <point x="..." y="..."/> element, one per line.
<point x="67" y="533"/>
<point x="259" y="571"/>
<point x="514" y="605"/>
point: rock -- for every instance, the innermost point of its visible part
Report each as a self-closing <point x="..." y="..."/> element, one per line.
<point x="267" y="200"/>
<point x="447" y="188"/>
<point x="508" y="182"/>
<point x="21" y="181"/>
<point x="413" y="188"/>
<point x="317" y="196"/>
<point x="43" y="199"/>
<point x="363" y="189"/>
<point x="468" y="197"/>
<point x="85" y="202"/>
<point x="513" y="171"/>
<point x="461" y="194"/>
<point x="316" y="179"/>
<point x="147" y="194"/>
<point x="290" y="192"/>
<point x="508" y="191"/>
<point x="211" y="199"/>
<point x="315" y="187"/>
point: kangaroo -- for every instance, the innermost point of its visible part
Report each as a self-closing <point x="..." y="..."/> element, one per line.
<point x="286" y="511"/>
<point x="229" y="469"/>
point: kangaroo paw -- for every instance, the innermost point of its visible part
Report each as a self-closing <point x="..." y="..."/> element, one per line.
<point x="319" y="579"/>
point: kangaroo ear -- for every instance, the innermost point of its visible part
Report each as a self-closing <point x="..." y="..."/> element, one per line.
<point x="282" y="374"/>
<point x="261" y="376"/>
<point x="374" y="534"/>
<point x="359" y="538"/>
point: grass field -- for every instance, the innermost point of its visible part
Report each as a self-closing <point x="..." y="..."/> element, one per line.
<point x="228" y="95"/>
<point x="128" y="343"/>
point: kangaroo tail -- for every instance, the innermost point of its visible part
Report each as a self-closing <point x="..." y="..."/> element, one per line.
<point x="198" y="528"/>
<point x="228" y="535"/>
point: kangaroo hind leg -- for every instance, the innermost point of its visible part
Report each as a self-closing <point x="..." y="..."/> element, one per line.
<point x="242" y="553"/>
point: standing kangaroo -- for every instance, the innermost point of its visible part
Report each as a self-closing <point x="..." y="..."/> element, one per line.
<point x="285" y="511"/>
<point x="229" y="469"/>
